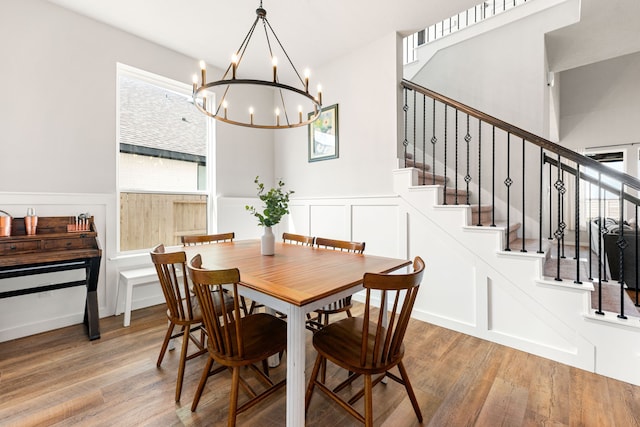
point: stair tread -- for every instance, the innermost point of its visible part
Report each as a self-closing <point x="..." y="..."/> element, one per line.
<point x="416" y="164"/>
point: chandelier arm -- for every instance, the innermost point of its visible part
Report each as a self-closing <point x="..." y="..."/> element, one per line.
<point x="222" y="98"/>
<point x="266" y="35"/>
<point x="285" y="52"/>
<point x="284" y="108"/>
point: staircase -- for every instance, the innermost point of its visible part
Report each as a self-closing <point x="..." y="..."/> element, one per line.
<point x="502" y="202"/>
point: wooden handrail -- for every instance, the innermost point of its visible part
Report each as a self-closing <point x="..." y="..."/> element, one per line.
<point x="564" y="152"/>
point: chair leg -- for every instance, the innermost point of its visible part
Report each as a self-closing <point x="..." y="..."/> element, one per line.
<point x="203" y="381"/>
<point x="412" y="396"/>
<point x="368" y="402"/>
<point x="233" y="400"/>
<point x="312" y="382"/>
<point x="165" y="343"/>
<point x="183" y="361"/>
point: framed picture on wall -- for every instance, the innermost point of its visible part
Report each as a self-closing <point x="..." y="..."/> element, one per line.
<point x="323" y="135"/>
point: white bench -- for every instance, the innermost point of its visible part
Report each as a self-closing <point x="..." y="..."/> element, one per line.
<point x="131" y="278"/>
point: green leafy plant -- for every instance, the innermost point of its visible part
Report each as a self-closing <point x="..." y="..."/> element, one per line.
<point x="276" y="204"/>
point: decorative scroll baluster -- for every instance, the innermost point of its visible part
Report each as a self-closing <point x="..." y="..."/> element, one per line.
<point x="562" y="208"/>
<point x="524" y="216"/>
<point x="445" y="154"/>
<point x="540" y="204"/>
<point x="559" y="234"/>
<point x="508" y="181"/>
<point x="405" y="108"/>
<point x="434" y="140"/>
<point x="622" y="245"/>
<point x="493" y="176"/>
<point x="600" y="264"/>
<point x="467" y="177"/>
<point x="577" y="233"/>
<point x="479" y="224"/>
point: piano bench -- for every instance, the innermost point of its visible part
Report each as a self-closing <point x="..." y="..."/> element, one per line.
<point x="131" y="278"/>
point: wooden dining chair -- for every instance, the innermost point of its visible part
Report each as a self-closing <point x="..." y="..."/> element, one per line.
<point x="207" y="238"/>
<point x="235" y="341"/>
<point x="365" y="347"/>
<point x="343" y="305"/>
<point x="182" y="308"/>
<point x="297" y="239"/>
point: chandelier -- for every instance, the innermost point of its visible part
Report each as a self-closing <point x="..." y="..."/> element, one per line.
<point x="240" y="101"/>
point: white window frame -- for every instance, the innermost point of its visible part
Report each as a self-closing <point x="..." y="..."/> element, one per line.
<point x="183" y="89"/>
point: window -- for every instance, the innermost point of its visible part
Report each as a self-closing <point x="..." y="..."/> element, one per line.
<point x="163" y="146"/>
<point x="610" y="203"/>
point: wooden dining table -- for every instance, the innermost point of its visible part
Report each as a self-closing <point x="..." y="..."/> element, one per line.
<point x="295" y="281"/>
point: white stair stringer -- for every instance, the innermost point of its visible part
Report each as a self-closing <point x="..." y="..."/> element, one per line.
<point x="474" y="287"/>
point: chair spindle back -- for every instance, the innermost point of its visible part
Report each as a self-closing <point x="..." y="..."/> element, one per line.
<point x="388" y="341"/>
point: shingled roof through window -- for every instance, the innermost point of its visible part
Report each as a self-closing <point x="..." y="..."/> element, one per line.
<point x="156" y="118"/>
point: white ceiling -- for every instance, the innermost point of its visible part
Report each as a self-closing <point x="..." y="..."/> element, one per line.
<point x="312" y="31"/>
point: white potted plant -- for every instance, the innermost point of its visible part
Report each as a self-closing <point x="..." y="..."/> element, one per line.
<point x="276" y="205"/>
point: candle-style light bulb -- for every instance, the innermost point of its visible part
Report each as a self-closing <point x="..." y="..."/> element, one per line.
<point x="195" y="82"/>
<point x="300" y="113"/>
<point x="319" y="94"/>
<point x="234" y="65"/>
<point x="204" y="103"/>
<point x="203" y="72"/>
<point x="274" y="61"/>
<point x="225" y="105"/>
<point x="277" y="117"/>
<point x="251" y="114"/>
<point x="306" y="80"/>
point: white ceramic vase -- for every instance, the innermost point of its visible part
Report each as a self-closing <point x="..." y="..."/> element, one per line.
<point x="268" y="242"/>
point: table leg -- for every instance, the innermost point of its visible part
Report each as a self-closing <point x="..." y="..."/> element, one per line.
<point x="296" y="379"/>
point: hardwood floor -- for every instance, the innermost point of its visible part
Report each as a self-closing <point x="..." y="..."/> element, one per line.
<point x="61" y="378"/>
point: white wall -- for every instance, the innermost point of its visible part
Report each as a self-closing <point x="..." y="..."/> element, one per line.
<point x="365" y="86"/>
<point x="501" y="72"/>
<point x="600" y="103"/>
<point x="58" y="136"/>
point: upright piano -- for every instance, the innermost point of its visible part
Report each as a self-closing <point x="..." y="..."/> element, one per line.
<point x="60" y="244"/>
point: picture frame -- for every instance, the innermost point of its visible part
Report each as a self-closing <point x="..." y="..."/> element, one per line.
<point x="323" y="135"/>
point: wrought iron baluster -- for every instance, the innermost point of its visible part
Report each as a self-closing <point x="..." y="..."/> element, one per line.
<point x="434" y="140"/>
<point x="622" y="245"/>
<point x="559" y="234"/>
<point x="467" y="177"/>
<point x="493" y="176"/>
<point x="424" y="139"/>
<point x="508" y="181"/>
<point x="600" y="228"/>
<point x="577" y="225"/>
<point x="456" y="160"/>
<point x="414" y="127"/>
<point x="479" y="224"/>
<point x="405" y="108"/>
<point x="445" y="154"/>
<point x="637" y="264"/>
<point x="550" y="206"/>
<point x="524" y="216"/>
<point x="591" y="249"/>
<point x="540" y="201"/>
<point x="562" y="210"/>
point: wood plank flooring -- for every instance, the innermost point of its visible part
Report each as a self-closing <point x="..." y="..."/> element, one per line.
<point x="61" y="378"/>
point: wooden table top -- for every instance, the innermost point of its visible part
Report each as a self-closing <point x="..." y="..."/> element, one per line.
<point x="296" y="274"/>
